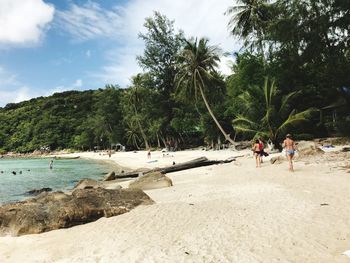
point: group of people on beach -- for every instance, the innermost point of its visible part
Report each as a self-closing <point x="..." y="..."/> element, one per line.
<point x="288" y="145"/>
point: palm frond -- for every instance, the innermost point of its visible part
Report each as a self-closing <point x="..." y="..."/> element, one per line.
<point x="295" y="118"/>
<point x="285" y="102"/>
<point x="244" y="129"/>
<point x="241" y="118"/>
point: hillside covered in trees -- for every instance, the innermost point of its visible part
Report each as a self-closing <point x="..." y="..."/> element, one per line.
<point x="292" y="75"/>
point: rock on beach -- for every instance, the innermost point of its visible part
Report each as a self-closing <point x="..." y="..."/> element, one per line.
<point x="149" y="181"/>
<point x="49" y="211"/>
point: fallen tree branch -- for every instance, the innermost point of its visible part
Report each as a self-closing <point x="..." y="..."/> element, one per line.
<point x="199" y="162"/>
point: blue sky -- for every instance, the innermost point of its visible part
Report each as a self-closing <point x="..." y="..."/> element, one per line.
<point x="48" y="46"/>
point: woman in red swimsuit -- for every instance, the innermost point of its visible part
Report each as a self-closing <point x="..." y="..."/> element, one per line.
<point x="257" y="153"/>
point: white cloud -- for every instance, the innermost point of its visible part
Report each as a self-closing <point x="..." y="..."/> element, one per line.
<point x="15" y="95"/>
<point x="199" y="18"/>
<point x="225" y="65"/>
<point x="89" y="21"/>
<point x="120" y="72"/>
<point x="74" y="86"/>
<point x="24" y="22"/>
<point x="11" y="90"/>
<point x="78" y="83"/>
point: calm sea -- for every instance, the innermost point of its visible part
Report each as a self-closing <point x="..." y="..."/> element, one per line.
<point x="36" y="174"/>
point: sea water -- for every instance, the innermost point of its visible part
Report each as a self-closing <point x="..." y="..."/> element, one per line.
<point x="18" y="176"/>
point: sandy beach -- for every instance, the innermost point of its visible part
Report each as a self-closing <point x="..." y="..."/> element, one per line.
<point x="222" y="213"/>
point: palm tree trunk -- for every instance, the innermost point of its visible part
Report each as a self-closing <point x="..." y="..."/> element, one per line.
<point x="141" y="130"/>
<point x="143" y="135"/>
<point x="226" y="136"/>
<point x="158" y="140"/>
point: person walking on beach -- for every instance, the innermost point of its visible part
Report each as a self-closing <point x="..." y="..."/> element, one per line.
<point x="262" y="150"/>
<point x="257" y="153"/>
<point x="289" y="146"/>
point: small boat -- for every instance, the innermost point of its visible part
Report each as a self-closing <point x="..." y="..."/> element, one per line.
<point x="66" y="157"/>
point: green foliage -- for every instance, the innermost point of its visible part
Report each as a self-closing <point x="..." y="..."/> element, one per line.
<point x="70" y="119"/>
<point x="249" y="20"/>
<point x="248" y="71"/>
<point x="197" y="72"/>
<point x="303" y="45"/>
<point x="265" y="113"/>
<point x="154" y="111"/>
<point x="305" y="48"/>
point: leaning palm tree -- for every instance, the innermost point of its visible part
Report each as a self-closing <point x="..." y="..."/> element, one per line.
<point x="248" y="20"/>
<point x="265" y="114"/>
<point x="134" y="100"/>
<point x="197" y="63"/>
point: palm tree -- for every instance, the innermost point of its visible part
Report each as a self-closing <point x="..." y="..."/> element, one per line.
<point x="134" y="100"/>
<point x="248" y="21"/>
<point x="265" y="114"/>
<point x="132" y="134"/>
<point x="197" y="63"/>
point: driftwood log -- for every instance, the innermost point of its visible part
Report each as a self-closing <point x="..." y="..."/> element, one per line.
<point x="198" y="162"/>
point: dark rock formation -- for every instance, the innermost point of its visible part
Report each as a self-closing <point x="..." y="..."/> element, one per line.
<point x="39" y="191"/>
<point x="49" y="211"/>
<point x="346" y="149"/>
<point x="110" y="176"/>
<point x="151" y="181"/>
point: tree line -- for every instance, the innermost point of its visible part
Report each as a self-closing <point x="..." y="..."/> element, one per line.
<point x="291" y="75"/>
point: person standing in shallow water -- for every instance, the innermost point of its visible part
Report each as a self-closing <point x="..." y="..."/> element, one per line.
<point x="51" y="164"/>
<point x="289" y="146"/>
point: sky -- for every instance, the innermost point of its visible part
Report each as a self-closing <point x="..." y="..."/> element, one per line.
<point x="49" y="46"/>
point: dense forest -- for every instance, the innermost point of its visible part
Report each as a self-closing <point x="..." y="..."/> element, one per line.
<point x="291" y="75"/>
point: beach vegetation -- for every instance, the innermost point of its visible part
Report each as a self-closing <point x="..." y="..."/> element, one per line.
<point x="180" y="98"/>
<point x="197" y="72"/>
<point x="265" y="113"/>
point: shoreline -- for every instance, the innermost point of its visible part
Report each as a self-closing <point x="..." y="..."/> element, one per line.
<point x="220" y="213"/>
<point x="17" y="168"/>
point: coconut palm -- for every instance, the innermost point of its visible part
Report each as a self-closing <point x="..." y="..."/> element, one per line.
<point x="133" y="98"/>
<point x="248" y="20"/>
<point x="132" y="134"/>
<point x="197" y="63"/>
<point x="266" y="114"/>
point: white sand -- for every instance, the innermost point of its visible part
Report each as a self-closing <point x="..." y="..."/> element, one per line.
<point x="223" y="213"/>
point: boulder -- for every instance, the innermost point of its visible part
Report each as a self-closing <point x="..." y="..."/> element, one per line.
<point x="49" y="211"/>
<point x="149" y="181"/>
<point x="110" y="176"/>
<point x="113" y="186"/>
<point x="39" y="191"/>
<point x="88" y="184"/>
<point x="308" y="148"/>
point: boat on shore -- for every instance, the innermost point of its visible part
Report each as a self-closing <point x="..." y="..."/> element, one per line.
<point x="65" y="157"/>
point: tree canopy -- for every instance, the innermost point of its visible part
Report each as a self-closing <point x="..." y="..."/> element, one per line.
<point x="181" y="99"/>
